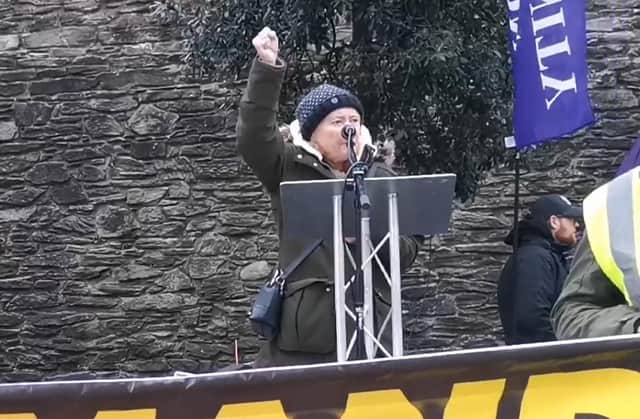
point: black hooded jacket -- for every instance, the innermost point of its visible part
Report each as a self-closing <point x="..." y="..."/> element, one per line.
<point x="530" y="284"/>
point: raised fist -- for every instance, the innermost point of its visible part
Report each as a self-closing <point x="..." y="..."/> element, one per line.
<point x="266" y="45"/>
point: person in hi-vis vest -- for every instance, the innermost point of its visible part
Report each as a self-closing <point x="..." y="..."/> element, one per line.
<point x="601" y="296"/>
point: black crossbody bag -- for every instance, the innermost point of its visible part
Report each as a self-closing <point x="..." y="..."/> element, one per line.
<point x="266" y="309"/>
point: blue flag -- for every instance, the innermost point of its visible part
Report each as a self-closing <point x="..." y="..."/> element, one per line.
<point x="631" y="159"/>
<point x="549" y="57"/>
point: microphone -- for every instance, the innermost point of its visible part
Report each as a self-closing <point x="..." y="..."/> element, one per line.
<point x="348" y="131"/>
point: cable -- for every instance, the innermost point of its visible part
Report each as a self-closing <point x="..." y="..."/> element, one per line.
<point x="352" y="297"/>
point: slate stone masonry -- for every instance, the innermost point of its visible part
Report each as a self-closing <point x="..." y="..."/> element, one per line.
<point x="132" y="237"/>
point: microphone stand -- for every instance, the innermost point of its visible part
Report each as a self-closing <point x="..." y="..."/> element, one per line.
<point x="362" y="204"/>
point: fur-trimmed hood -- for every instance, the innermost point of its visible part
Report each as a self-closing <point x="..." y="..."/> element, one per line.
<point x="291" y="132"/>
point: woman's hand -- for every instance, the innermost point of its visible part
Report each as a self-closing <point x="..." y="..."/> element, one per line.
<point x="266" y="45"/>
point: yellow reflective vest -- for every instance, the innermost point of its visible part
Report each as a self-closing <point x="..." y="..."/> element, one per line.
<point x="612" y="219"/>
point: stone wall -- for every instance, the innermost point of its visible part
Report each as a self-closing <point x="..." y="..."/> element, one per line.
<point x="132" y="237"/>
<point x="124" y="212"/>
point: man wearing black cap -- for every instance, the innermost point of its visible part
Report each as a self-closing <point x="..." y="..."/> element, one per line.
<point x="534" y="274"/>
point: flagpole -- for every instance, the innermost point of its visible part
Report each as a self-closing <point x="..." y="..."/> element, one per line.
<point x="516" y="216"/>
<point x="516" y="201"/>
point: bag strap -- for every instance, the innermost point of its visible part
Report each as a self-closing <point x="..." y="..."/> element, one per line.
<point x="297" y="262"/>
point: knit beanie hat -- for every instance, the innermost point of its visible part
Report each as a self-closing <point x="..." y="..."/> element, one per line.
<point x="320" y="102"/>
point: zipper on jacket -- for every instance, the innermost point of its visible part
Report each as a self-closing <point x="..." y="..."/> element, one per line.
<point x="297" y="315"/>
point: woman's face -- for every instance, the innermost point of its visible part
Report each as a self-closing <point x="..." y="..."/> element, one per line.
<point x="327" y="137"/>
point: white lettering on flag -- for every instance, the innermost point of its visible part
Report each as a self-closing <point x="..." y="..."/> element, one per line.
<point x="543" y="23"/>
